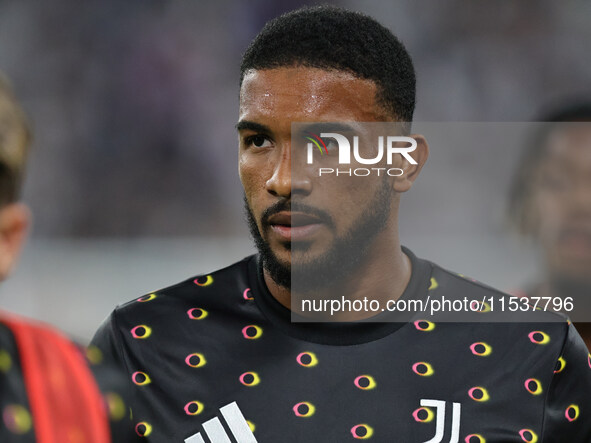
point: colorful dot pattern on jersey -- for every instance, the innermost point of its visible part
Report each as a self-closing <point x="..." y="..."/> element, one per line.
<point x="481" y="349"/>
<point x="195" y="360"/>
<point x="307" y="359"/>
<point x="94" y="355"/>
<point x="572" y="412"/>
<point x="365" y="382"/>
<point x="434" y="284"/>
<point x="362" y="432"/>
<point x="5" y="361"/>
<point x="141" y="378"/>
<point x="250" y="379"/>
<point x="483" y="307"/>
<point x="424" y="325"/>
<point x="423" y="369"/>
<point x="146" y="298"/>
<point x="304" y="409"/>
<point x="353" y="378"/>
<point x="476" y="306"/>
<point x="423" y="415"/>
<point x="474" y="438"/>
<point x="539" y="337"/>
<point x="252" y="332"/>
<point x="478" y="393"/>
<point x="528" y="436"/>
<point x="193" y="408"/>
<point x="143" y="429"/>
<point x="197" y="313"/>
<point x="17" y="419"/>
<point x="533" y="386"/>
<point x="115" y="405"/>
<point x="203" y="281"/>
<point x="141" y="331"/>
<point x="560" y="365"/>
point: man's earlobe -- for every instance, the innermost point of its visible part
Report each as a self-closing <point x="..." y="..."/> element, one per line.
<point x="15" y="219"/>
<point x="411" y="171"/>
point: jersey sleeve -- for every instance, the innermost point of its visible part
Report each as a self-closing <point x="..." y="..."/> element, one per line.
<point x="567" y="414"/>
<point x="106" y="343"/>
<point x="108" y="366"/>
<point x="116" y="393"/>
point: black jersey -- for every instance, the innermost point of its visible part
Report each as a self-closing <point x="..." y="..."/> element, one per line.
<point x="217" y="359"/>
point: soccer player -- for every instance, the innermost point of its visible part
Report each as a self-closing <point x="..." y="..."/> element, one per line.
<point x="217" y="358"/>
<point x="47" y="390"/>
<point x="550" y="201"/>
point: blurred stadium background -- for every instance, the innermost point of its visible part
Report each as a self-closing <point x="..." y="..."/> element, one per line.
<point x="133" y="176"/>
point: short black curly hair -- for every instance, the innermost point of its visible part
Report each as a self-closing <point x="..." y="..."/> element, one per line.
<point x="535" y="151"/>
<point x="333" y="38"/>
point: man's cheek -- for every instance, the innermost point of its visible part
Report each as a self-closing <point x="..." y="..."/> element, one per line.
<point x="249" y="172"/>
<point x="257" y="214"/>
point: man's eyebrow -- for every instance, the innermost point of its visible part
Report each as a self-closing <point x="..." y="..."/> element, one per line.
<point x="252" y="126"/>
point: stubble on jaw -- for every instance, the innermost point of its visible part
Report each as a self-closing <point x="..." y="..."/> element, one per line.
<point x="347" y="252"/>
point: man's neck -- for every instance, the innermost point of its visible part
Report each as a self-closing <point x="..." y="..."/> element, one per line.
<point x="383" y="275"/>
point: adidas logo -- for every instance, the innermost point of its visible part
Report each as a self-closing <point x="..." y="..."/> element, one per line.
<point x="215" y="432"/>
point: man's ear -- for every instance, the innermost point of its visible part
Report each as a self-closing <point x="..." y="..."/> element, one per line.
<point x="404" y="182"/>
<point x="15" y="219"/>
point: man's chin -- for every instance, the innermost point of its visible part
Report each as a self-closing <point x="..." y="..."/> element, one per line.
<point x="297" y="254"/>
<point x="299" y="272"/>
<point x="280" y="255"/>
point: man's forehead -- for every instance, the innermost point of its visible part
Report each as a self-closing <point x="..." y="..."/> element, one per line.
<point x="314" y="78"/>
<point x="307" y="90"/>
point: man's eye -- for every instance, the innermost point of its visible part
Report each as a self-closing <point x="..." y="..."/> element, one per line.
<point x="258" y="141"/>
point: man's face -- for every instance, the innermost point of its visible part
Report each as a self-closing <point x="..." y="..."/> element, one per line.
<point x="561" y="204"/>
<point x="300" y="220"/>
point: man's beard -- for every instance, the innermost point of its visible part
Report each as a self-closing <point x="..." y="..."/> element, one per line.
<point x="345" y="254"/>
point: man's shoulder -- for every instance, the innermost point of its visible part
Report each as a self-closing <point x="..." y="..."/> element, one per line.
<point x="447" y="281"/>
<point x="486" y="303"/>
<point x="199" y="306"/>
<point x="482" y="319"/>
<point x="208" y="289"/>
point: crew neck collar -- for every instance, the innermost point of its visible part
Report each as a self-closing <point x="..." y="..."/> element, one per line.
<point x="338" y="333"/>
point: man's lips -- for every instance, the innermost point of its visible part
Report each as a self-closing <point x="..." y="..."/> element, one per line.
<point x="294" y="226"/>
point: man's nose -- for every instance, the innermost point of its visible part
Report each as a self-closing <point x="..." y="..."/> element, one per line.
<point x="287" y="177"/>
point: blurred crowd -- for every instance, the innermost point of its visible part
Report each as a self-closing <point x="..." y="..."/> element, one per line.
<point x="133" y="103"/>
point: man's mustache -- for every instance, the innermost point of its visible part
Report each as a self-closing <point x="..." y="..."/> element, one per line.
<point x="289" y="206"/>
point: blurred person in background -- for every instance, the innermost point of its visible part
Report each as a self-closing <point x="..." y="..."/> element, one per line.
<point x="220" y="355"/>
<point x="47" y="389"/>
<point x="550" y="202"/>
